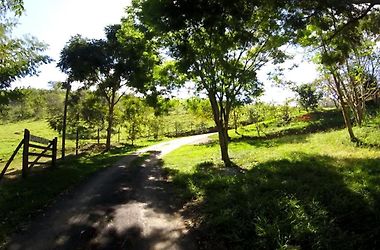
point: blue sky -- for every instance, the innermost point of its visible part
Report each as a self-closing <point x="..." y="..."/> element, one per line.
<point x="55" y="21"/>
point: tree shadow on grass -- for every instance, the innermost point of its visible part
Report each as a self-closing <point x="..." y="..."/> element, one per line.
<point x="310" y="202"/>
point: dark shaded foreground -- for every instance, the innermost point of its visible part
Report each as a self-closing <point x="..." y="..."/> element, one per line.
<point x="306" y="202"/>
<point x="127" y="206"/>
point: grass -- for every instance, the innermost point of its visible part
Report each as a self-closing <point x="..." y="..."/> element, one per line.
<point x="305" y="191"/>
<point x="12" y="133"/>
<point x="302" y="124"/>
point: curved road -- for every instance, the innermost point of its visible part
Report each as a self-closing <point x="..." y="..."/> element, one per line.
<point x="126" y="206"/>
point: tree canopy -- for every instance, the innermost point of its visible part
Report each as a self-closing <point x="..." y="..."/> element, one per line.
<point x="124" y="59"/>
<point x="220" y="46"/>
<point x="19" y="57"/>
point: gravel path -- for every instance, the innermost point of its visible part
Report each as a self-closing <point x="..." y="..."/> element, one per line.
<point x="121" y="207"/>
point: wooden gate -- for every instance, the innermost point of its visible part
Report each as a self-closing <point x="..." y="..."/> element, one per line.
<point x="47" y="147"/>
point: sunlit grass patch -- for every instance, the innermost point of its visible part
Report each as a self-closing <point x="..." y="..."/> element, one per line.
<point x="307" y="191"/>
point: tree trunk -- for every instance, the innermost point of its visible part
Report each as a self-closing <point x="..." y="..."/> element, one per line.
<point x="77" y="137"/>
<point x="345" y="112"/>
<point x="360" y="111"/>
<point x="222" y="130"/>
<point x="235" y="122"/>
<point x="133" y="133"/>
<point x="223" y="143"/>
<point x="347" y="121"/>
<point x="98" y="137"/>
<point x="77" y="142"/>
<point x="65" y="121"/>
<point x="110" y="120"/>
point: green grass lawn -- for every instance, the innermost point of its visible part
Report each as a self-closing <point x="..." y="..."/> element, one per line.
<point x="306" y="191"/>
<point x="12" y="133"/>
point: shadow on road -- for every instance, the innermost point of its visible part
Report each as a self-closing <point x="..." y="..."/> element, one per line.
<point x="130" y="206"/>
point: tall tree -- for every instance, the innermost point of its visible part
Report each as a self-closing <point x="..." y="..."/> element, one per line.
<point x="74" y="61"/>
<point x="123" y="59"/>
<point x="359" y="76"/>
<point x="336" y="35"/>
<point x="220" y="45"/>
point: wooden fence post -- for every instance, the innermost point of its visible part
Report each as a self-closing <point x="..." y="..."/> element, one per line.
<point x="54" y="154"/>
<point x="25" y="153"/>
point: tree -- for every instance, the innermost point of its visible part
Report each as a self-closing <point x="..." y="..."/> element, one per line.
<point x="134" y="115"/>
<point x="19" y="57"/>
<point x="165" y="78"/>
<point x="93" y="112"/>
<point x="308" y="96"/>
<point x="201" y="108"/>
<point x="336" y="35"/>
<point x="73" y="61"/>
<point x="161" y="107"/>
<point x="220" y="45"/>
<point x="6" y="97"/>
<point x="360" y="81"/>
<point x="124" y="59"/>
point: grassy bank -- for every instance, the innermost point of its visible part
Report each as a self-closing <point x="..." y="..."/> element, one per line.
<point x="12" y="133"/>
<point x="305" y="191"/>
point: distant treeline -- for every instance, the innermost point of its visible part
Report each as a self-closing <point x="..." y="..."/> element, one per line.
<point x="135" y="117"/>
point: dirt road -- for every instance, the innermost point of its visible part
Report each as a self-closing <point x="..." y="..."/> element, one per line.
<point x="121" y="207"/>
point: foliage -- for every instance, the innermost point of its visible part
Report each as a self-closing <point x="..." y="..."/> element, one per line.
<point x="124" y="59"/>
<point x="93" y="110"/>
<point x="219" y="50"/>
<point x="19" y="57"/>
<point x="359" y="77"/>
<point x="337" y="34"/>
<point x="7" y="97"/>
<point x="135" y="114"/>
<point x="308" y="96"/>
<point x="29" y="103"/>
<point x="16" y="6"/>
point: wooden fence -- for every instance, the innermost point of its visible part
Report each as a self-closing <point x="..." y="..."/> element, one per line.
<point x="48" y="149"/>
